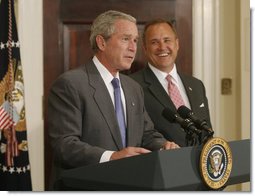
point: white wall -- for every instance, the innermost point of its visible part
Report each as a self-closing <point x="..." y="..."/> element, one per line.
<point x="252" y="4"/>
<point x="245" y="76"/>
<point x="31" y="46"/>
<point x="221" y="50"/>
<point x="245" y="68"/>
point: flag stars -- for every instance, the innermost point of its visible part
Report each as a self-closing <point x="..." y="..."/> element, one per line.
<point x="17" y="44"/>
<point x="4" y="168"/>
<point x="13" y="44"/>
<point x="11" y="170"/>
<point x="19" y="170"/>
<point x="2" y="45"/>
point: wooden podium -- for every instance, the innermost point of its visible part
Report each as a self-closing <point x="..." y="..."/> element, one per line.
<point x="176" y="170"/>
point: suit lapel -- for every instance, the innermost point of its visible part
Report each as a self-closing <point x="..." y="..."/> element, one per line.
<point x="189" y="89"/>
<point x="156" y="89"/>
<point x="102" y="98"/>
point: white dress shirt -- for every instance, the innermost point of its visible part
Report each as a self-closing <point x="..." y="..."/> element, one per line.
<point x="107" y="78"/>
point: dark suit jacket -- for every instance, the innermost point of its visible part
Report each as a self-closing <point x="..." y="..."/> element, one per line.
<point x="156" y="99"/>
<point x="82" y="122"/>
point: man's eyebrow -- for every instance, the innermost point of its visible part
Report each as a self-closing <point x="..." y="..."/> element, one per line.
<point x="154" y="39"/>
<point x="130" y="36"/>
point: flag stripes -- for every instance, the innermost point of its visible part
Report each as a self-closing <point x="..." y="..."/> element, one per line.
<point x="5" y="119"/>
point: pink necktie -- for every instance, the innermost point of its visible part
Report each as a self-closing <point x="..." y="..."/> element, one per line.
<point x="174" y="92"/>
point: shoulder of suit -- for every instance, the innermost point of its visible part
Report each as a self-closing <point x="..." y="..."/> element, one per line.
<point x="72" y="75"/>
<point x="139" y="75"/>
<point x="189" y="78"/>
<point x="130" y="80"/>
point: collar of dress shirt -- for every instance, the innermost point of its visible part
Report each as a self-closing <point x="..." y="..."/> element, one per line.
<point x="107" y="78"/>
<point x="162" y="75"/>
<point x="177" y="80"/>
<point x="106" y="75"/>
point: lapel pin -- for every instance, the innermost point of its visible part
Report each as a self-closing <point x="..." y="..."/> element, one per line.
<point x="202" y="105"/>
<point x="190" y="88"/>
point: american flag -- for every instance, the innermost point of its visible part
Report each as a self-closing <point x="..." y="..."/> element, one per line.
<point x="14" y="160"/>
<point x="7" y="120"/>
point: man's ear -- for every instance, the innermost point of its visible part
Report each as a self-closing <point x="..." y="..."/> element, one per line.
<point x="100" y="42"/>
<point x="144" y="49"/>
<point x="177" y="44"/>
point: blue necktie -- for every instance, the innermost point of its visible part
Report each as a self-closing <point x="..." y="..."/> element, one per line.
<point x="119" y="110"/>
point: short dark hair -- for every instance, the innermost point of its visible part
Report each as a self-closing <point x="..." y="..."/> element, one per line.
<point x="159" y="21"/>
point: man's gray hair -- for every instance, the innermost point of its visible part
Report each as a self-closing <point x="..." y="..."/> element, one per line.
<point x="104" y="25"/>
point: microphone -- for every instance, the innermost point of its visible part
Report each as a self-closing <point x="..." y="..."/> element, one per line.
<point x="188" y="114"/>
<point x="186" y="124"/>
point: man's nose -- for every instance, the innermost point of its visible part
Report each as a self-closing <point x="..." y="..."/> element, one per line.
<point x="132" y="46"/>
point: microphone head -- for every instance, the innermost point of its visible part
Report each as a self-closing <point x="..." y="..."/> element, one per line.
<point x="169" y="114"/>
<point x="184" y="111"/>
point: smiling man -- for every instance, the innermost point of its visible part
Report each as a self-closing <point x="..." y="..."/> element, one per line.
<point x="164" y="86"/>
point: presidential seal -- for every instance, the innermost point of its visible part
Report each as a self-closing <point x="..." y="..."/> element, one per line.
<point x="215" y="162"/>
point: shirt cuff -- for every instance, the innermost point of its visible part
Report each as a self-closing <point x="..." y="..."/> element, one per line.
<point x="106" y="156"/>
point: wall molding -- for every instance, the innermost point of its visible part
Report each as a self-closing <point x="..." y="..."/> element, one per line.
<point x="206" y="53"/>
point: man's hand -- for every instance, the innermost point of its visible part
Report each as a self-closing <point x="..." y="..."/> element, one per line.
<point x="128" y="152"/>
<point x="170" y="145"/>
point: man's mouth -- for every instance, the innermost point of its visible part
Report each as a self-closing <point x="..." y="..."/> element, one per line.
<point x="163" y="54"/>
<point x="130" y="57"/>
